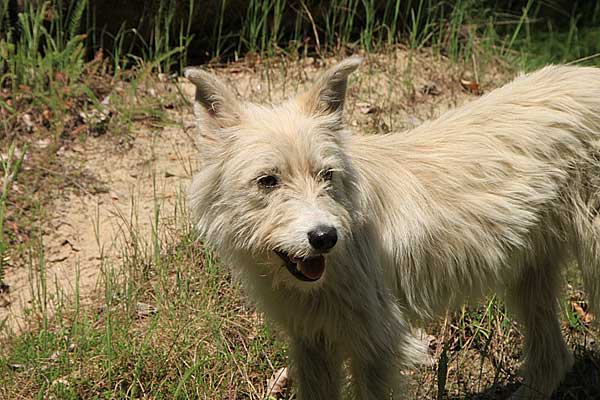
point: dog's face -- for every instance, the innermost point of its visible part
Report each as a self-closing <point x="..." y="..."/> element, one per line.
<point x="275" y="184"/>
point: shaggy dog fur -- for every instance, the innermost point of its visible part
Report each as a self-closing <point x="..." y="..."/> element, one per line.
<point x="343" y="239"/>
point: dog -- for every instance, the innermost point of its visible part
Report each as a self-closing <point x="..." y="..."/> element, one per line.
<point x="345" y="239"/>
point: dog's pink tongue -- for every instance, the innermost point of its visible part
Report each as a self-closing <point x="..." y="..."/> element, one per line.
<point x="314" y="267"/>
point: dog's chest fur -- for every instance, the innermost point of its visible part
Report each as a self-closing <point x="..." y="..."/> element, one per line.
<point x="355" y="296"/>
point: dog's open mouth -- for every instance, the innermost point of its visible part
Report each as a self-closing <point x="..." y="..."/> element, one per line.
<point x="306" y="269"/>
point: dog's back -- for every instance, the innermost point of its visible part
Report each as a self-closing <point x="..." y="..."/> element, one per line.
<point x="498" y="194"/>
<point x="459" y="198"/>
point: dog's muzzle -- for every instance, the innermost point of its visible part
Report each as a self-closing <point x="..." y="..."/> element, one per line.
<point x="305" y="269"/>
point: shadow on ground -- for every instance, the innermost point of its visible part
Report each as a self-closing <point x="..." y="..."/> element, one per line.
<point x="582" y="383"/>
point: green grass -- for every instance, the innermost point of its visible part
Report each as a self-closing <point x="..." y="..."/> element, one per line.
<point x="170" y="325"/>
<point x="46" y="63"/>
<point x="528" y="33"/>
<point x="46" y="66"/>
<point x="53" y="95"/>
<point x="518" y="31"/>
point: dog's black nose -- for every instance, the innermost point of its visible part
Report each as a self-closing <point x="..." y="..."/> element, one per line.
<point x="322" y="238"/>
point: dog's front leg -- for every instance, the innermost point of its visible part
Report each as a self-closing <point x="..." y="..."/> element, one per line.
<point x="375" y="378"/>
<point x="316" y="368"/>
<point x="376" y="361"/>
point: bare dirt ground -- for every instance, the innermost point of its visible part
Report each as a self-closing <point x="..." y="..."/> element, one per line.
<point x="83" y="236"/>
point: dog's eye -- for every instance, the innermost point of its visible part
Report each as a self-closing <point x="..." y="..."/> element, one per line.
<point x="326" y="175"/>
<point x="268" y="181"/>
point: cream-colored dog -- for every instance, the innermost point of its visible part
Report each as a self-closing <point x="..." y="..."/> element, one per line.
<point x="343" y="239"/>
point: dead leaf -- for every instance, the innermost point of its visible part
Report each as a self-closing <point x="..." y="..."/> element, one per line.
<point x="277" y="383"/>
<point x="46" y="114"/>
<point x="470" y="85"/>
<point x="98" y="56"/>
<point x="585" y="316"/>
<point x="60" y="77"/>
<point x="81" y="128"/>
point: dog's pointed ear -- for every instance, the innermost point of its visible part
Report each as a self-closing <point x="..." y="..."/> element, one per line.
<point x="328" y="94"/>
<point x="216" y="105"/>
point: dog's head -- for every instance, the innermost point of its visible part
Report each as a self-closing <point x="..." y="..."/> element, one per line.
<point x="276" y="186"/>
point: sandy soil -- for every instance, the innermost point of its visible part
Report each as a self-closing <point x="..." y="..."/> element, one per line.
<point x="84" y="236"/>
